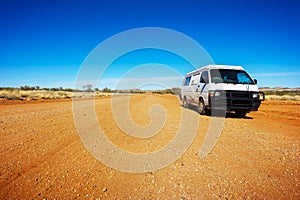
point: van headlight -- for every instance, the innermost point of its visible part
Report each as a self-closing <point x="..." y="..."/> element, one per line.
<point x="217" y="94"/>
<point x="254" y="95"/>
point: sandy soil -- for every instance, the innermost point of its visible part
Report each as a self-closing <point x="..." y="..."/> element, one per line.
<point x="42" y="156"/>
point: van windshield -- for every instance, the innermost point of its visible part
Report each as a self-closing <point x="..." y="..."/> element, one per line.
<point x="230" y="76"/>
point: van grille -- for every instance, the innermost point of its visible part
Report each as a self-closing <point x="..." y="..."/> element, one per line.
<point x="238" y="100"/>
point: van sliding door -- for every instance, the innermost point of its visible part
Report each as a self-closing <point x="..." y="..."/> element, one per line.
<point x="203" y="86"/>
<point x="194" y="88"/>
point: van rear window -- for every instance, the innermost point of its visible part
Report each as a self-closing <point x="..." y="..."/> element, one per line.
<point x="187" y="81"/>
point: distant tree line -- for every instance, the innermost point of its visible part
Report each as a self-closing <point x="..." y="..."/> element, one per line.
<point x="88" y="88"/>
<point x="174" y="91"/>
<point x="26" y="87"/>
<point x="282" y="92"/>
<point x="166" y="91"/>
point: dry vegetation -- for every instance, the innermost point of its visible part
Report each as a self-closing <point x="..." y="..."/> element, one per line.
<point x="32" y="93"/>
<point x="36" y="94"/>
<point x="18" y="94"/>
<point x="283" y="97"/>
<point x="281" y="94"/>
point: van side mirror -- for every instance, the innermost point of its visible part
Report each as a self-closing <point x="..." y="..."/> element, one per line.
<point x="255" y="81"/>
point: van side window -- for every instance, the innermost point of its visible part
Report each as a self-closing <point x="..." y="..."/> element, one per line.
<point x="204" y="77"/>
<point x="195" y="79"/>
<point x="187" y="81"/>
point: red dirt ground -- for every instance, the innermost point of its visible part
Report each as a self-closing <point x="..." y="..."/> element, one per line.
<point x="42" y="156"/>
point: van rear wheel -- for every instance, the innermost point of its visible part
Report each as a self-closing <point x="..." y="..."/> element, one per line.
<point x="185" y="103"/>
<point x="201" y="107"/>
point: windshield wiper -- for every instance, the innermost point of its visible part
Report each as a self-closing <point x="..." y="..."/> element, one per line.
<point x="244" y="83"/>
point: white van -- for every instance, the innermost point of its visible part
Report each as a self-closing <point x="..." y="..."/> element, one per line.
<point x="221" y="87"/>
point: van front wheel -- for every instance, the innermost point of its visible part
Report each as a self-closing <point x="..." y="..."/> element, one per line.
<point x="201" y="107"/>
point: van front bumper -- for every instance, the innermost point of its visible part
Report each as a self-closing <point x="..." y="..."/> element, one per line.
<point x="229" y="100"/>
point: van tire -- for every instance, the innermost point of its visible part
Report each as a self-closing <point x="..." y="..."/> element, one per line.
<point x="185" y="103"/>
<point x="201" y="107"/>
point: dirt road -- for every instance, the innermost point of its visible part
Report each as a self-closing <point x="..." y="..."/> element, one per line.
<point x="42" y="155"/>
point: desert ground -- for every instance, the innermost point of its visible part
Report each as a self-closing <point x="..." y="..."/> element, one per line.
<point x="43" y="157"/>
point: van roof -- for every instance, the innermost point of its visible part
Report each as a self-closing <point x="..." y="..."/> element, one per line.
<point x="207" y="67"/>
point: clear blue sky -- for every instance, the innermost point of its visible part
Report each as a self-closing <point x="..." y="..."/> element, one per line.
<point x="44" y="42"/>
